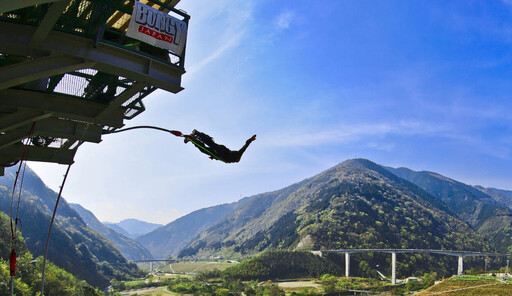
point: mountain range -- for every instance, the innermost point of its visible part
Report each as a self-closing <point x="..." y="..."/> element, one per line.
<point x="132" y="228"/>
<point x="130" y="249"/>
<point x="357" y="203"/>
<point x="487" y="210"/>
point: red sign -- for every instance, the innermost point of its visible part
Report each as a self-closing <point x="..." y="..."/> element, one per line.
<point x="155" y="34"/>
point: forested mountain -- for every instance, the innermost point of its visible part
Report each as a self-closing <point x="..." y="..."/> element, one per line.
<point x="356" y="204"/>
<point x="484" y="209"/>
<point x="28" y="271"/>
<point x="130" y="249"/>
<point x="133" y="228"/>
<point x="74" y="246"/>
<point x="168" y="240"/>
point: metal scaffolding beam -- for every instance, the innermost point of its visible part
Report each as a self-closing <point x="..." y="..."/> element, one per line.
<point x="19" y="118"/>
<point x="67" y="75"/>
<point x="10" y="5"/>
<point x="40" y="68"/>
<point x="11" y="154"/>
<point x="82" y="53"/>
<point x="60" y="106"/>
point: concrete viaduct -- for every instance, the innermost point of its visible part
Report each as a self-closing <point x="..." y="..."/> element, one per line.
<point x="150" y="261"/>
<point x="393" y="252"/>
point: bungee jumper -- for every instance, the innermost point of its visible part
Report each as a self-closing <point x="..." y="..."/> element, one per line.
<point x="207" y="145"/>
<point x="203" y="142"/>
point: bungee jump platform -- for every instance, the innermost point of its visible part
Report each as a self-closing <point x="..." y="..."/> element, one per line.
<point x="73" y="70"/>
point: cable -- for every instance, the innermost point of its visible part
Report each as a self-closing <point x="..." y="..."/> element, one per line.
<point x="80" y="142"/>
<point x="16" y="180"/>
<point x="176" y="133"/>
<point x="19" y="199"/>
<point x="50" y="229"/>
<point x="12" y="257"/>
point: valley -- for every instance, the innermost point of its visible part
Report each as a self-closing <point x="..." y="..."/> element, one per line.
<point x="362" y="221"/>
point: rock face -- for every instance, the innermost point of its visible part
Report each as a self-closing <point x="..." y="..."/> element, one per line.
<point x="307" y="243"/>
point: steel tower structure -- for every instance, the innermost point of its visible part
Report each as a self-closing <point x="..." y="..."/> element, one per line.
<point x="69" y="73"/>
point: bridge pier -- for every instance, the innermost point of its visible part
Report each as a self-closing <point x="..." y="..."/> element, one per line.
<point x="393" y="268"/>
<point x="150" y="266"/>
<point x="460" y="268"/>
<point x="347" y="264"/>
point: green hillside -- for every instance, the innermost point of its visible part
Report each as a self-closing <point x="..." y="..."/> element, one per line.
<point x="279" y="264"/>
<point x="28" y="271"/>
<point x="483" y="209"/>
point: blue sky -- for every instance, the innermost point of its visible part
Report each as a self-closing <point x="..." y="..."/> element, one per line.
<point x="420" y="84"/>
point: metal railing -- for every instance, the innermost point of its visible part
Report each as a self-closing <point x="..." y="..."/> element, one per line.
<point x="103" y="21"/>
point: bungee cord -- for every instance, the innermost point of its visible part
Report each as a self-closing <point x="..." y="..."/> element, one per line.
<point x="80" y="142"/>
<point x="174" y="132"/>
<point x="50" y="229"/>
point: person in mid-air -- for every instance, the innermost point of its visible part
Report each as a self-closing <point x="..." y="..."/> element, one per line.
<point x="205" y="144"/>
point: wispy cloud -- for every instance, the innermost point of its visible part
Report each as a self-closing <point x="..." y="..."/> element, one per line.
<point x="284" y="19"/>
<point x="217" y="53"/>
<point x="352" y="133"/>
<point x="215" y="31"/>
<point x="507" y="2"/>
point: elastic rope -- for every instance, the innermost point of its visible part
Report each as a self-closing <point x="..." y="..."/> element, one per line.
<point x="176" y="133"/>
<point x="19" y="198"/>
<point x="80" y="142"/>
<point x="50" y="229"/>
<point x="16" y="180"/>
<point x="142" y="126"/>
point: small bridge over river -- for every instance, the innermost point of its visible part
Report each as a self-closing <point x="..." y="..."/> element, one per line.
<point x="393" y="252"/>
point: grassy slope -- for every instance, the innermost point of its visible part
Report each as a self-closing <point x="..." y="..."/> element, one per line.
<point x="469" y="286"/>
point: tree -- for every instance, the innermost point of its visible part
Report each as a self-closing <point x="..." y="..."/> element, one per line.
<point x="329" y="283"/>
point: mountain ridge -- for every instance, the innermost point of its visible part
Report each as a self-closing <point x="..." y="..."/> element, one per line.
<point x="74" y="246"/>
<point x="130" y="248"/>
<point x="488" y="215"/>
<point x="132" y="227"/>
<point x="354" y="203"/>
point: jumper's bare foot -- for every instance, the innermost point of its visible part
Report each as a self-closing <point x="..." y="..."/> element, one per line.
<point x="252" y="138"/>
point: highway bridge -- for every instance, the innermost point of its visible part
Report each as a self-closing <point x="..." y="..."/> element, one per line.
<point x="151" y="261"/>
<point x="393" y="252"/>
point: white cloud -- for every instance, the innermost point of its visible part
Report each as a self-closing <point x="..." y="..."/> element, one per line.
<point x="354" y="132"/>
<point x="284" y="19"/>
<point x="507" y="2"/>
<point x="214" y="30"/>
<point x="215" y="54"/>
